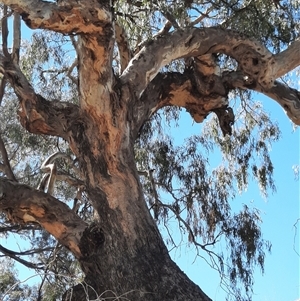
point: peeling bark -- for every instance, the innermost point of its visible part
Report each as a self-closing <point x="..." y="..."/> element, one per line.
<point x="95" y="76"/>
<point x="22" y="204"/>
<point x="122" y="252"/>
<point x="37" y="114"/>
<point x="176" y="89"/>
<point x="256" y="63"/>
<point x="64" y="16"/>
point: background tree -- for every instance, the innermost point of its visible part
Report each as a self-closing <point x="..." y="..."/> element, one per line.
<point x="94" y="87"/>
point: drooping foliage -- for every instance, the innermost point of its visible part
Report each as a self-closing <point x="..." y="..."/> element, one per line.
<point x="179" y="181"/>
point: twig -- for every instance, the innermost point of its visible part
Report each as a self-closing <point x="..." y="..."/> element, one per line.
<point x="13" y="255"/>
<point x="165" y="29"/>
<point x="202" y="16"/>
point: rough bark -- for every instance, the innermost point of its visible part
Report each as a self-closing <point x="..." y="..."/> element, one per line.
<point x="122" y="252"/>
<point x="22" y="204"/>
<point x="259" y="67"/>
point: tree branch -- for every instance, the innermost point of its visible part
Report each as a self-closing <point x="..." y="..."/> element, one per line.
<point x="176" y="89"/>
<point x="16" y="38"/>
<point x="125" y="53"/>
<point x="36" y="114"/>
<point x="17" y="228"/>
<point x="165" y="29"/>
<point x="22" y="204"/>
<point x="4" y="31"/>
<point x="66" y="17"/>
<point x="287" y="97"/>
<point x="288" y="59"/>
<point x="207" y="88"/>
<point x="254" y="59"/>
<point x="202" y="16"/>
<point x="14" y="256"/>
<point x="191" y="42"/>
<point x="2" y="87"/>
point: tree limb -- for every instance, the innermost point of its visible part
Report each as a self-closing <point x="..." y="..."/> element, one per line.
<point x="23" y="205"/>
<point x="66" y="17"/>
<point x="125" y="53"/>
<point x="165" y="29"/>
<point x="176" y="89"/>
<point x="288" y="59"/>
<point x="16" y="38"/>
<point x="199" y="97"/>
<point x="4" y="31"/>
<point x="202" y="16"/>
<point x="14" y="256"/>
<point x="17" y="228"/>
<point x="36" y="114"/>
<point x="254" y="59"/>
<point x="2" y="87"/>
<point x="287" y="97"/>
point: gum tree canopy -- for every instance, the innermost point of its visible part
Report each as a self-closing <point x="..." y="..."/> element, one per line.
<point x="96" y="90"/>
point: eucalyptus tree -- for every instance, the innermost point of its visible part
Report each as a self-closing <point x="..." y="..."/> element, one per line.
<point x="93" y="90"/>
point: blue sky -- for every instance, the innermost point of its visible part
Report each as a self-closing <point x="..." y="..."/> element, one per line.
<point x="280" y="211"/>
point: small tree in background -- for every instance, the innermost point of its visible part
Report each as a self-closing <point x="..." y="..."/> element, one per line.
<point x="96" y="90"/>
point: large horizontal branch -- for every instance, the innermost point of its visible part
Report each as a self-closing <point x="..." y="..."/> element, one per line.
<point x="182" y="90"/>
<point x="177" y="89"/>
<point x="66" y="17"/>
<point x="36" y="114"/>
<point x="287" y="97"/>
<point x="254" y="59"/>
<point x="23" y="204"/>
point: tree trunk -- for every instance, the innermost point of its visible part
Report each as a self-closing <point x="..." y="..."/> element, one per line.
<point x="122" y="251"/>
<point x="123" y="259"/>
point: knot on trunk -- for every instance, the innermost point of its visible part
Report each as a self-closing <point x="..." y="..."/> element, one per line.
<point x="92" y="239"/>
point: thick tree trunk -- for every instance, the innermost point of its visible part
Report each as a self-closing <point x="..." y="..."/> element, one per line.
<point x="134" y="263"/>
<point x="122" y="251"/>
<point x="124" y="255"/>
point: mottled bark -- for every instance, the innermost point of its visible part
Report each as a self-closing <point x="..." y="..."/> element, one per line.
<point x="122" y="252"/>
<point x="23" y="204"/>
<point x="64" y="16"/>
